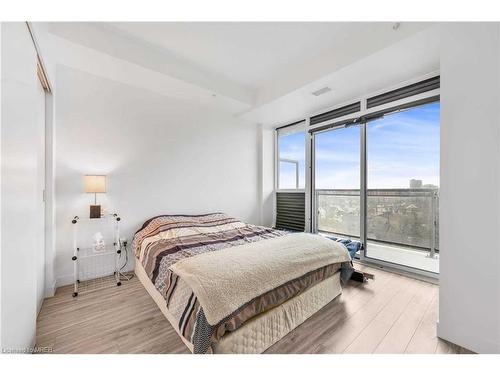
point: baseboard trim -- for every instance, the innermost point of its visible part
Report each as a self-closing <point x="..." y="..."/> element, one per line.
<point x="63" y="281"/>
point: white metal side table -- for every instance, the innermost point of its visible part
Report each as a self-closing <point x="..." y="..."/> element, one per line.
<point x="94" y="270"/>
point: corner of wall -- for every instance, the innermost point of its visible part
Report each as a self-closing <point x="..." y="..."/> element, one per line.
<point x="266" y="175"/>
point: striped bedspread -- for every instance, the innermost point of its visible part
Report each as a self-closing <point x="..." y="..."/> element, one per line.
<point x="165" y="240"/>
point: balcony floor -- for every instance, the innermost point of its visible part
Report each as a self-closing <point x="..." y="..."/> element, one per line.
<point x="402" y="255"/>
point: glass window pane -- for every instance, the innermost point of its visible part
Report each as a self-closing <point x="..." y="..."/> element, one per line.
<point x="403" y="187"/>
<point x="291" y="160"/>
<point x="337" y="181"/>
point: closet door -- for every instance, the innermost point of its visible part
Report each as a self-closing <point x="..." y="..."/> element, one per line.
<point x="22" y="172"/>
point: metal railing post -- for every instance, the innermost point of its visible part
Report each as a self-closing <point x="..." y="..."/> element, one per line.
<point x="316" y="212"/>
<point x="432" y="244"/>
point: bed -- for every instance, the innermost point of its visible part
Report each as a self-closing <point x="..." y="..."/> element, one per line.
<point x="230" y="287"/>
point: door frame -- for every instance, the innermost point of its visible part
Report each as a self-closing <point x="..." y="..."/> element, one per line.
<point x="48" y="194"/>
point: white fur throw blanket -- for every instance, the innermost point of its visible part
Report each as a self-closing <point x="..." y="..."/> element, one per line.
<point x="225" y="280"/>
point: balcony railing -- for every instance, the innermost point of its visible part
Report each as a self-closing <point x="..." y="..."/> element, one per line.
<point x="402" y="217"/>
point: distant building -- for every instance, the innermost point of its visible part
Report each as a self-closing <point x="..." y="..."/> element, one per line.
<point x="415" y="184"/>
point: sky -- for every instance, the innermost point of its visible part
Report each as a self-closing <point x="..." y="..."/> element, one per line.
<point x="400" y="147"/>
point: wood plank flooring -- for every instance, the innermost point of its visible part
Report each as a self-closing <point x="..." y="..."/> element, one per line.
<point x="391" y="314"/>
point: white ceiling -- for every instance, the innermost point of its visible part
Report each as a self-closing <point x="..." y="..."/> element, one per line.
<point x="251" y="54"/>
<point x="243" y="67"/>
<point x="407" y="60"/>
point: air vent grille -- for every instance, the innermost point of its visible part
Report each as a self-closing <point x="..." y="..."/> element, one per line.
<point x="322" y="91"/>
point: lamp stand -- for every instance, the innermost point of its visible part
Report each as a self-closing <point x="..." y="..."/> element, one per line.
<point x="95" y="209"/>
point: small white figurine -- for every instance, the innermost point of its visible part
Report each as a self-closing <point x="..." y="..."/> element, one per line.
<point x="98" y="244"/>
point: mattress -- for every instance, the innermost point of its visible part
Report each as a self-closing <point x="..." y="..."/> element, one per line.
<point x="265" y="329"/>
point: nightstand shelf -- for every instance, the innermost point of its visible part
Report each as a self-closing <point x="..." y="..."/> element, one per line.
<point x="89" y="252"/>
<point x="94" y="270"/>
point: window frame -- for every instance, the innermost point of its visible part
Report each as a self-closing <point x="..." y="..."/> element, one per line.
<point x="364" y="166"/>
<point x="302" y="125"/>
<point x="362" y="117"/>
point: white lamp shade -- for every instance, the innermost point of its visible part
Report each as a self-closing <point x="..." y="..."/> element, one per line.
<point x="95" y="184"/>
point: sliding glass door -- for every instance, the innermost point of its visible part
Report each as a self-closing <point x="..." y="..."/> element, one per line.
<point x="337" y="182"/>
<point x="378" y="182"/>
<point x="402" y="168"/>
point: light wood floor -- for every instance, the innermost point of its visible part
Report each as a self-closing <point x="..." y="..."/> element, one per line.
<point x="391" y="314"/>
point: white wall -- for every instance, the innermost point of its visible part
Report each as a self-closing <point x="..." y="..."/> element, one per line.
<point x="267" y="166"/>
<point x="1" y="209"/>
<point x="161" y="155"/>
<point x="22" y="139"/>
<point x="469" y="304"/>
